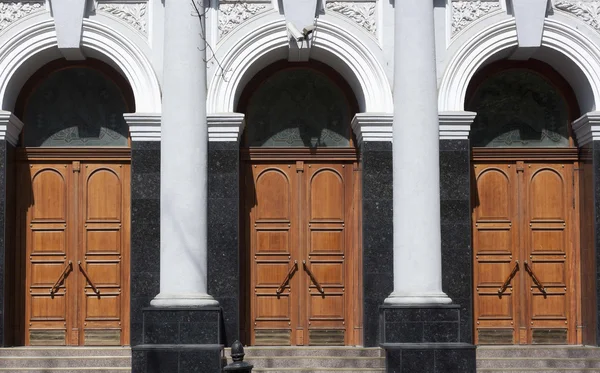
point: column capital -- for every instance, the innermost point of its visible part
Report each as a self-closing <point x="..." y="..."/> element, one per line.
<point x="587" y="128"/>
<point x="144" y="126"/>
<point x="455" y="125"/>
<point x="10" y="127"/>
<point x="373" y="127"/>
<point x="225" y="127"/>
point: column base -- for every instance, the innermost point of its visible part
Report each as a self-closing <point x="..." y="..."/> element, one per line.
<point x="183" y="300"/>
<point x="176" y="340"/>
<point x="415" y="300"/>
<point x="424" y="339"/>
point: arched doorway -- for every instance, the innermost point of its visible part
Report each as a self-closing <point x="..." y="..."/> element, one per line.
<point x="300" y="208"/>
<point x="524" y="205"/>
<point x="72" y="207"/>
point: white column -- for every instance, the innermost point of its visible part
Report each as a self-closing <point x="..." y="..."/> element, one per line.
<point x="417" y="236"/>
<point x="183" y="168"/>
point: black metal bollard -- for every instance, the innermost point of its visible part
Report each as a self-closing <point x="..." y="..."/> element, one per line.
<point x="238" y="364"/>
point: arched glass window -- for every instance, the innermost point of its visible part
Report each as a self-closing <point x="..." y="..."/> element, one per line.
<point x="519" y="108"/>
<point x="298" y="107"/>
<point x="75" y="107"/>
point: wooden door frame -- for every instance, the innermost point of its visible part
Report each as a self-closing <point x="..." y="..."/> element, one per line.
<point x="120" y="155"/>
<point x="551" y="155"/>
<point x="267" y="155"/>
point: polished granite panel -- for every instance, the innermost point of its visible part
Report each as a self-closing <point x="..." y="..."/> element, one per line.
<point x="377" y="221"/>
<point x="145" y="231"/>
<point x="434" y="324"/>
<point x="223" y="234"/>
<point x="177" y="359"/>
<point x="455" y="210"/>
<point x="173" y="326"/>
<point x="430" y="358"/>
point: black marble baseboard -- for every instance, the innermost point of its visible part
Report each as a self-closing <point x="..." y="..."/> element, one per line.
<point x="182" y="326"/>
<point x="422" y="324"/>
<point x="430" y="358"/>
<point x="177" y="359"/>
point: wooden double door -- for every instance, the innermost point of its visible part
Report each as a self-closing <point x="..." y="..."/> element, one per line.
<point x="302" y="248"/>
<point x="74" y="231"/>
<point x="524" y="239"/>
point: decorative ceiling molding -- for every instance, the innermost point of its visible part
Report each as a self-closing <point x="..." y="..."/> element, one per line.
<point x="134" y="14"/>
<point x="362" y="13"/>
<point x="13" y="11"/>
<point x="588" y="11"/>
<point x="231" y="15"/>
<point x="466" y="12"/>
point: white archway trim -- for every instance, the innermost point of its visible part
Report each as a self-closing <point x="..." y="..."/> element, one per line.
<point x="502" y="35"/>
<point x="96" y="36"/>
<point x="329" y="37"/>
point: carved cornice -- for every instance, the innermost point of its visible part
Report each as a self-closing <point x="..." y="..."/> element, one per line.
<point x="362" y="13"/>
<point x="588" y="11"/>
<point x="233" y="15"/>
<point x="373" y="127"/>
<point x="587" y="128"/>
<point x="144" y="127"/>
<point x="13" y="11"/>
<point x="466" y="12"/>
<point x="10" y="127"/>
<point x="225" y="127"/>
<point x="455" y="125"/>
<point x="133" y="14"/>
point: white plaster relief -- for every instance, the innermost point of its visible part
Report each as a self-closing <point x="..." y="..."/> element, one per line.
<point x="13" y="11"/>
<point x="132" y="13"/>
<point x="588" y="11"/>
<point x="363" y="13"/>
<point x="233" y="15"/>
<point x="468" y="11"/>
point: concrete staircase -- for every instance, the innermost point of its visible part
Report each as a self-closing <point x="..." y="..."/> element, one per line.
<point x="314" y="359"/>
<point x="65" y="359"/>
<point x="538" y="359"/>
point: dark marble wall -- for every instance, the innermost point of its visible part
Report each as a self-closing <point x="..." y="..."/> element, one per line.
<point x="4" y="248"/>
<point x="145" y="231"/>
<point x="377" y="221"/>
<point x="587" y="247"/>
<point x="456" y="230"/>
<point x="223" y="220"/>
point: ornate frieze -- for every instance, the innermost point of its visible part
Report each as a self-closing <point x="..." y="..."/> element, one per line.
<point x="13" y="11"/>
<point x="587" y="10"/>
<point x="363" y="13"/>
<point x="231" y="15"/>
<point x="466" y="12"/>
<point x="132" y="13"/>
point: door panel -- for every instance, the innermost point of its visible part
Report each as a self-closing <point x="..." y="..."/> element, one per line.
<point x="273" y="240"/>
<point x="495" y="244"/>
<point x="547" y="251"/>
<point x="329" y="196"/>
<point x="301" y="244"/>
<point x="75" y="228"/>
<point x="46" y="200"/>
<point x="522" y="248"/>
<point x="104" y="308"/>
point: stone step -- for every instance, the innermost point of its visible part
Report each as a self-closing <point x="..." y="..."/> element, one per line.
<point x="538" y="352"/>
<point x="65" y="361"/>
<point x="311" y="351"/>
<point x="537" y="370"/>
<point x="539" y="363"/>
<point x="65" y="351"/>
<point x="67" y="370"/>
<point x="341" y="362"/>
<point x="317" y="370"/>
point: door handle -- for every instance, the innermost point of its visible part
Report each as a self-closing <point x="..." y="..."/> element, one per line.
<point x="509" y="278"/>
<point x="287" y="277"/>
<point x="313" y="278"/>
<point x="62" y="276"/>
<point x="88" y="278"/>
<point x="534" y="278"/>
